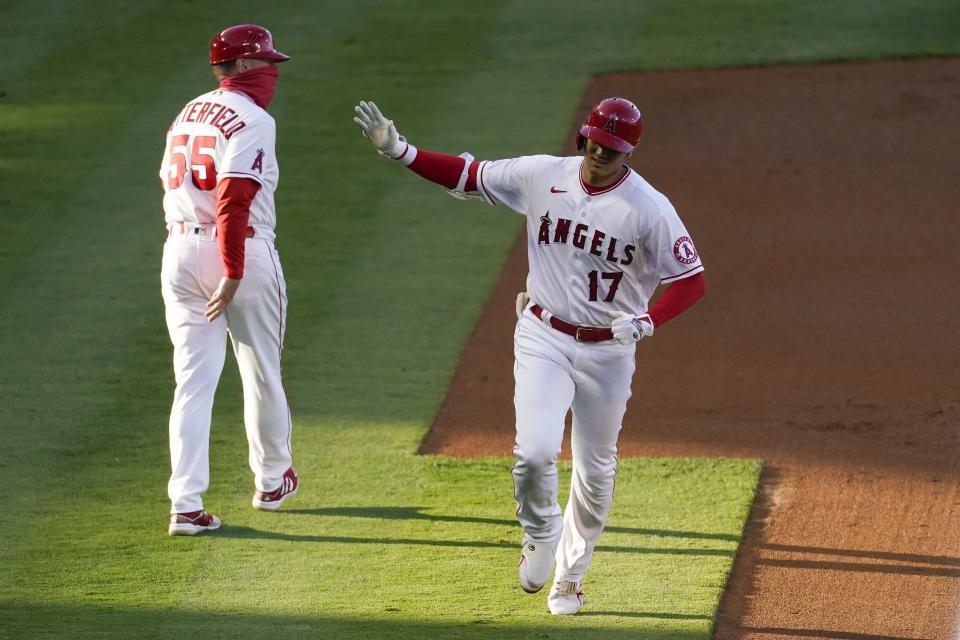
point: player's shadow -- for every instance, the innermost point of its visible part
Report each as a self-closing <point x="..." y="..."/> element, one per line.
<point x="233" y="531"/>
<point x="644" y="614"/>
<point x="239" y="531"/>
<point x="397" y="513"/>
<point x="417" y="513"/>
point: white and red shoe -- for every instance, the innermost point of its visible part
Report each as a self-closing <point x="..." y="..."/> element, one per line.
<point x="192" y="523"/>
<point x="271" y="500"/>
<point x="536" y="563"/>
<point x="566" y="597"/>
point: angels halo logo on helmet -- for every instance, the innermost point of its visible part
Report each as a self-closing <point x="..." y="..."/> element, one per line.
<point x="244" y="41"/>
<point x="614" y="123"/>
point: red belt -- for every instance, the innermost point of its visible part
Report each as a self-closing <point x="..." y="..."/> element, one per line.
<point x="192" y="229"/>
<point x="580" y="334"/>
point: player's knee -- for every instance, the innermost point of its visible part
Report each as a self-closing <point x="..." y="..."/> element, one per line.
<point x="197" y="383"/>
<point x="536" y="458"/>
<point x="597" y="472"/>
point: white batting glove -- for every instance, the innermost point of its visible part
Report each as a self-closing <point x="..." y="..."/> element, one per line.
<point x="379" y="130"/>
<point x="628" y="328"/>
<point x="522" y="301"/>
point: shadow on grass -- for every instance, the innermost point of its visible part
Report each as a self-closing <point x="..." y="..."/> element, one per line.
<point x="644" y="614"/>
<point x="235" y="531"/>
<point x="416" y="513"/>
<point x="33" y="620"/>
<point x="231" y="531"/>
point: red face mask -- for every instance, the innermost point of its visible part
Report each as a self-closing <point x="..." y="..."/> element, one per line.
<point x="258" y="83"/>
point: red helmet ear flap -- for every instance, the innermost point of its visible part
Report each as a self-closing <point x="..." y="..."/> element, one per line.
<point x="614" y="123"/>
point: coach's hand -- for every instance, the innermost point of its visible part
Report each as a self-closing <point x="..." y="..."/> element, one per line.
<point x="628" y="328"/>
<point x="379" y="130"/>
<point x="221" y="298"/>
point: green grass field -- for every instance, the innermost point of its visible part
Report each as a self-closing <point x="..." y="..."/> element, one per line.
<point x="386" y="278"/>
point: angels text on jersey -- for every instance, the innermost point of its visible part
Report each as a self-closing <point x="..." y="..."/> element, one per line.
<point x="598" y="244"/>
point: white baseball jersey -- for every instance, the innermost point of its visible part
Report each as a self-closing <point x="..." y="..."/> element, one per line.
<point x="590" y="254"/>
<point x="220" y="134"/>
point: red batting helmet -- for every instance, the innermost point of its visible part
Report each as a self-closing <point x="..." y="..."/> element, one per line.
<point x="614" y="123"/>
<point x="244" y="41"/>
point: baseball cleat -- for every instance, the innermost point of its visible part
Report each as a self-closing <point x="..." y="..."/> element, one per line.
<point x="192" y="523"/>
<point x="566" y="597"/>
<point x="536" y="563"/>
<point x="271" y="500"/>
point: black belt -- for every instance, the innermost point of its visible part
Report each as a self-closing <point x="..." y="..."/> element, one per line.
<point x="580" y="334"/>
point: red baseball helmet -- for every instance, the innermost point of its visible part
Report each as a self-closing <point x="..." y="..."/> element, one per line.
<point x="244" y="41"/>
<point x="614" y="123"/>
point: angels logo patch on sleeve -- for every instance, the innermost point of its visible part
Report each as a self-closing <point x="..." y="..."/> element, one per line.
<point x="684" y="251"/>
<point x="258" y="162"/>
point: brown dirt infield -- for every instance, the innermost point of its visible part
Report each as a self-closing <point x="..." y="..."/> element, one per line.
<point x="825" y="201"/>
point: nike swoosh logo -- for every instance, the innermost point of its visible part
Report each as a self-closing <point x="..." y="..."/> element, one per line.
<point x="555" y="190"/>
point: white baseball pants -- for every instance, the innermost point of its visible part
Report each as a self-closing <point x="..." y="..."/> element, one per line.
<point x="255" y="321"/>
<point x="554" y="373"/>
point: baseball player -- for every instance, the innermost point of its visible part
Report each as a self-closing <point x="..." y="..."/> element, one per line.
<point x="221" y="274"/>
<point x="600" y="240"/>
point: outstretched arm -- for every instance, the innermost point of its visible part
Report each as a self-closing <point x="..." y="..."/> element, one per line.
<point x="457" y="174"/>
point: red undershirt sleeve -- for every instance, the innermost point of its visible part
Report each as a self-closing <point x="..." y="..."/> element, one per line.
<point x="444" y="169"/>
<point x="234" y="196"/>
<point x="677" y="298"/>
